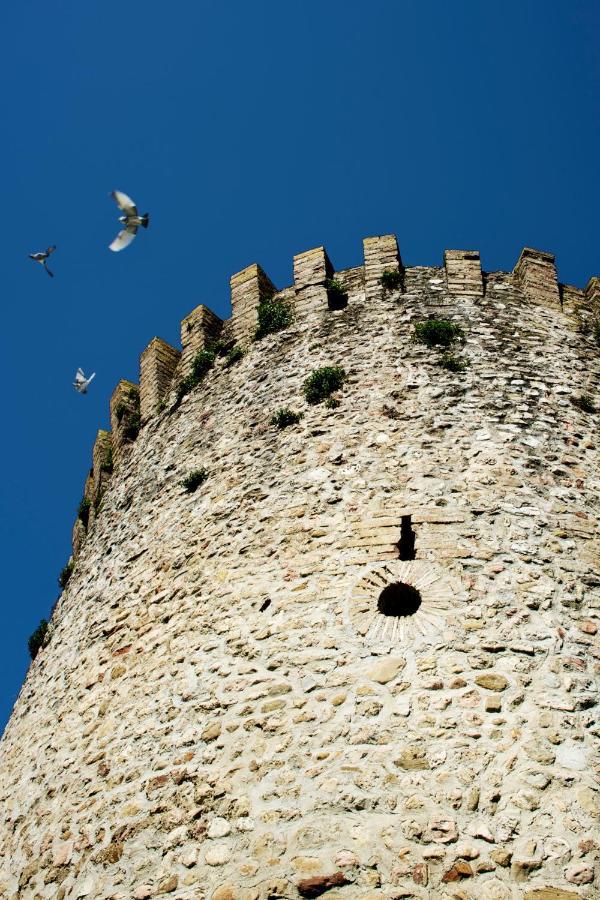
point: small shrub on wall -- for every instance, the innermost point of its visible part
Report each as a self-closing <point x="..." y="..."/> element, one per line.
<point x="234" y="356"/>
<point x="322" y="383"/>
<point x="438" y="333"/>
<point x="337" y="295"/>
<point x="193" y="481"/>
<point x="453" y="363"/>
<point x="273" y="316"/>
<point x="284" y="417"/>
<point x="391" y="280"/>
<point x="38" y="639"/>
<point x="83" y="511"/>
<point x="66" y="572"/>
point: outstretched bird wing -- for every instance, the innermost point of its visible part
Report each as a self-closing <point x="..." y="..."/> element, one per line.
<point x="79" y="376"/>
<point x="124" y="238"/>
<point x="51" y="274"/>
<point x="125" y="203"/>
<point x="50" y="250"/>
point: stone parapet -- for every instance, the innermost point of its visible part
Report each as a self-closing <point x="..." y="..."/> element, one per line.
<point x="535" y="273"/>
<point x="463" y="272"/>
<point x="381" y="255"/>
<point x="158" y="363"/>
<point x="249" y="288"/>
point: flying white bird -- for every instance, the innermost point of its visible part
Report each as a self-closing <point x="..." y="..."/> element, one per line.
<point x="82" y="383"/>
<point x="42" y="257"/>
<point x="131" y="220"/>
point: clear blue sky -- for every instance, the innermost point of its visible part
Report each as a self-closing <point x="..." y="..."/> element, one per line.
<point x="252" y="131"/>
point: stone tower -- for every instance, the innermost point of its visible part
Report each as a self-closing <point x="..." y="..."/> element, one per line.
<point x="358" y="659"/>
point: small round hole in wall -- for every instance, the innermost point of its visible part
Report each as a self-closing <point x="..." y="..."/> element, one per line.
<point x="399" y="599"/>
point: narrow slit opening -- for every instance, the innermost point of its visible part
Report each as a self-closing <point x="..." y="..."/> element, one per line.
<point x="406" y="544"/>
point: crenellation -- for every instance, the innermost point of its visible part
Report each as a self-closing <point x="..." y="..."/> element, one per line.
<point x="124" y="419"/>
<point x="463" y="272"/>
<point x="78" y="536"/>
<point x="535" y="273"/>
<point x="336" y="663"/>
<point x="200" y="328"/>
<point x="158" y="364"/>
<point x="381" y="254"/>
<point x="312" y="269"/>
<point x="592" y="296"/>
<point x="249" y="288"/>
<point x="571" y="298"/>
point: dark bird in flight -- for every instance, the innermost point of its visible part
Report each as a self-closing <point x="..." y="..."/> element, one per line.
<point x="42" y="257"/>
<point x="131" y="220"/>
<point x="82" y="383"/>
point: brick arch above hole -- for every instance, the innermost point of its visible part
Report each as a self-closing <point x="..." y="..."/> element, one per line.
<point x="441" y="596"/>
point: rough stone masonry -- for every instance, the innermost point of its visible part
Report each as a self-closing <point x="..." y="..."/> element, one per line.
<point x="360" y="660"/>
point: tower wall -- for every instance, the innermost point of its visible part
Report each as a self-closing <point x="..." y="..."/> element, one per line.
<point x="227" y="709"/>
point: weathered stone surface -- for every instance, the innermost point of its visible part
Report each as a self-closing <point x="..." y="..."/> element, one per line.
<point x="225" y="698"/>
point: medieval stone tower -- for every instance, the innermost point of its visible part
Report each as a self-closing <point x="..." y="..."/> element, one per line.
<point x="357" y="660"/>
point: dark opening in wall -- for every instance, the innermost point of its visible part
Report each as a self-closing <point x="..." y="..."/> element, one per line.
<point x="406" y="544"/>
<point x="265" y="605"/>
<point x="399" y="599"/>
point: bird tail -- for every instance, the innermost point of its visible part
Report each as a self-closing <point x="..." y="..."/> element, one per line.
<point x="145" y="220"/>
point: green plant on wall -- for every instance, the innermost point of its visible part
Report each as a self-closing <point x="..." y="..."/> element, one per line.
<point x="234" y="355"/>
<point x="194" y="479"/>
<point x="83" y="511"/>
<point x="438" y="333"/>
<point x="391" y="280"/>
<point x="65" y="574"/>
<point x="453" y="363"/>
<point x="202" y="363"/>
<point x="337" y="295"/>
<point x="284" y="417"/>
<point x="107" y="461"/>
<point x="273" y="316"/>
<point x="38" y="639"/>
<point x="322" y="383"/>
<point x="584" y="403"/>
<point x="127" y="412"/>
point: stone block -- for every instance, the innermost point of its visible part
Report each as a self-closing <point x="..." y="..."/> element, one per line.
<point x="158" y="363"/>
<point x="463" y="272"/>
<point x="311" y="271"/>
<point x="380" y="254"/>
<point x="249" y="288"/>
<point x="535" y="274"/>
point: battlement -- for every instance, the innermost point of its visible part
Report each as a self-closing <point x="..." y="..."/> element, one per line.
<point x="318" y="289"/>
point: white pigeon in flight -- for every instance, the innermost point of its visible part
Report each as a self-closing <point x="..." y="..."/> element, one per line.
<point x="131" y="220"/>
<point x="42" y="257"/>
<point x="82" y="383"/>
